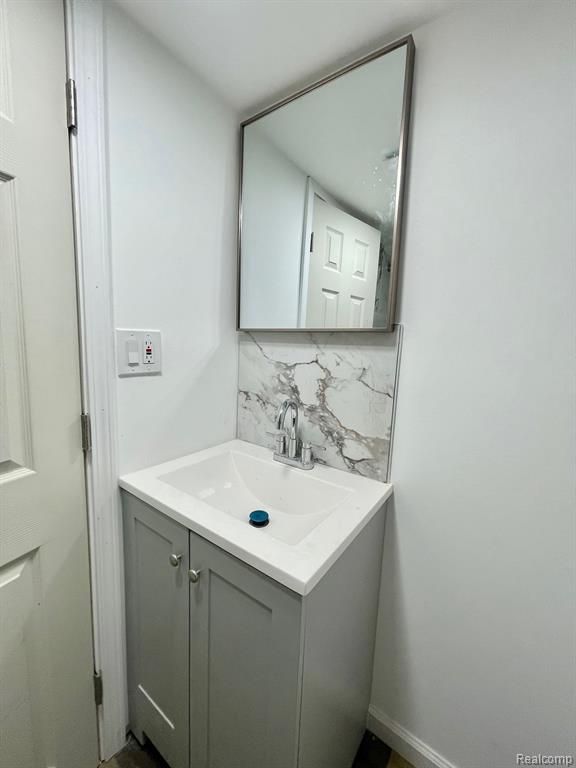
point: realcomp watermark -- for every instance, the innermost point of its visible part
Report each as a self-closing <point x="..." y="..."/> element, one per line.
<point x="540" y="759"/>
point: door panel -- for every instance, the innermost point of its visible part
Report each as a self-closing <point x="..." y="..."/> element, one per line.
<point x="158" y="652"/>
<point x="330" y="302"/>
<point x="245" y="650"/>
<point x="20" y="641"/>
<point x="15" y="435"/>
<point x="343" y="270"/>
<point x="48" y="714"/>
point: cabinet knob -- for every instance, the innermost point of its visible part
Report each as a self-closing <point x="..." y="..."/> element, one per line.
<point x="175" y="560"/>
<point x="193" y="575"/>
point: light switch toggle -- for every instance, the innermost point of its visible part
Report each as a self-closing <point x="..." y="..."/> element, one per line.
<point x="132" y="352"/>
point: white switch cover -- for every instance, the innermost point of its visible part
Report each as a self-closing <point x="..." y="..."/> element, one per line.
<point x="138" y="353"/>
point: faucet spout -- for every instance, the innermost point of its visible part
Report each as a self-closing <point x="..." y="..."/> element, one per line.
<point x="289" y="405"/>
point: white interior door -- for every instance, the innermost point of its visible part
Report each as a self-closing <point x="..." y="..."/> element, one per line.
<point x="343" y="270"/>
<point x="47" y="709"/>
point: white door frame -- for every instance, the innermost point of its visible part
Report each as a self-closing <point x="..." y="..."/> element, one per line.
<point x="89" y="161"/>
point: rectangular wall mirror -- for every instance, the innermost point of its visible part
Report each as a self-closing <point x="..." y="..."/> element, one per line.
<point x="321" y="200"/>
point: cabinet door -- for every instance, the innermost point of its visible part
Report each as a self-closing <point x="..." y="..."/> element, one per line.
<point x="157" y="629"/>
<point x="245" y="654"/>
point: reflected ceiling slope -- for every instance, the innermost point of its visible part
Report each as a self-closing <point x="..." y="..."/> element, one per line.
<point x="254" y="51"/>
<point x="346" y="135"/>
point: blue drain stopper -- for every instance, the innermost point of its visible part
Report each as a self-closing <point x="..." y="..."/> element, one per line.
<point x="259" y="518"/>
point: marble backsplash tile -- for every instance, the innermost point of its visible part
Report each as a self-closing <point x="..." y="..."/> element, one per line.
<point x="345" y="383"/>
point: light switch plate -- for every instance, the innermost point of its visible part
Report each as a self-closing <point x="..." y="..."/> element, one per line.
<point x="138" y="353"/>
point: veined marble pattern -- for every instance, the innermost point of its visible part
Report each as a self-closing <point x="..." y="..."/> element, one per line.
<point x="344" y="383"/>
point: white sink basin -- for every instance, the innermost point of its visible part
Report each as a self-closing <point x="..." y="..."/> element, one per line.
<point x="237" y="483"/>
<point x="314" y="514"/>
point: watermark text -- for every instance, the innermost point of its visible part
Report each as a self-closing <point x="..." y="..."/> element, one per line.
<point x="539" y="759"/>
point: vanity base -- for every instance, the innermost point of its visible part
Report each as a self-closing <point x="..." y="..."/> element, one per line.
<point x="235" y="669"/>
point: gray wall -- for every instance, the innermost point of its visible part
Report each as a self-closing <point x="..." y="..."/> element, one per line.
<point x="273" y="201"/>
<point x="173" y="192"/>
<point x="475" y="653"/>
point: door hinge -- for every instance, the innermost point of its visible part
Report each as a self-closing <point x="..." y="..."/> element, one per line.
<point x="311" y="241"/>
<point x="86" y="432"/>
<point x="98" y="689"/>
<point x="71" y="105"/>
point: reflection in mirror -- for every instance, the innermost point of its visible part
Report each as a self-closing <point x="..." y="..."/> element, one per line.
<point x="321" y="197"/>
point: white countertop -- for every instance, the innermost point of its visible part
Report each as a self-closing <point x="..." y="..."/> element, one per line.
<point x="300" y="544"/>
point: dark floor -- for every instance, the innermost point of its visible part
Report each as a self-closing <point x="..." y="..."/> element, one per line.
<point x="372" y="754"/>
<point x="134" y="756"/>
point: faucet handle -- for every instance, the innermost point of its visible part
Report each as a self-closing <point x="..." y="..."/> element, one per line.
<point x="307" y="457"/>
<point x="279" y="436"/>
<point x="308" y="444"/>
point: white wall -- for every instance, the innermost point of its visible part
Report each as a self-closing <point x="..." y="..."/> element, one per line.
<point x="173" y="189"/>
<point x="475" y="653"/>
<point x="273" y="199"/>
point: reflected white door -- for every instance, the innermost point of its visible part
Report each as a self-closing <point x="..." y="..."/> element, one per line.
<point x="47" y="709"/>
<point x="343" y="270"/>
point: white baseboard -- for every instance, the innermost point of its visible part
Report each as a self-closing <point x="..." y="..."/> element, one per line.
<point x="407" y="745"/>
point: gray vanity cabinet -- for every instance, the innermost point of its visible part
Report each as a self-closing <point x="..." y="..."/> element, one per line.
<point x="230" y="669"/>
<point x="245" y="657"/>
<point x="156" y="568"/>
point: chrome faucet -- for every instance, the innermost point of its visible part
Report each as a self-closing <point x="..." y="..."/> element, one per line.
<point x="288" y="448"/>
<point x="292" y="432"/>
